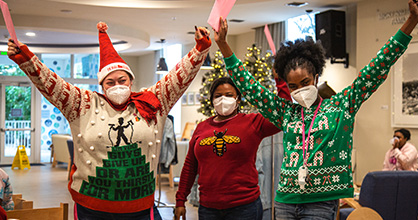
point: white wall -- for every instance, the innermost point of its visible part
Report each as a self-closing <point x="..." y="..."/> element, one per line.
<point x="373" y="123"/>
<point x="143" y="71"/>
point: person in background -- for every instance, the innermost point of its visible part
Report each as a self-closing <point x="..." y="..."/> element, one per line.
<point x="6" y="191"/>
<point x="117" y="135"/>
<point x="402" y="155"/>
<point x="223" y="152"/>
<point x="318" y="133"/>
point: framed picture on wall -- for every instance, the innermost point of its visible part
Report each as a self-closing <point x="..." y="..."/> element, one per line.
<point x="190" y="98"/>
<point x="405" y="89"/>
<point x="184" y="99"/>
<point x="197" y="98"/>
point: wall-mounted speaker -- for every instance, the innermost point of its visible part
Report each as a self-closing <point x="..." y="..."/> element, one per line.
<point x="330" y="30"/>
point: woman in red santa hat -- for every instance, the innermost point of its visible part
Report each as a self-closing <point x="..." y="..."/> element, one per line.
<point x="117" y="135"/>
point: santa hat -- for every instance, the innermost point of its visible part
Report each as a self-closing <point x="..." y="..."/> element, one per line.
<point x="109" y="58"/>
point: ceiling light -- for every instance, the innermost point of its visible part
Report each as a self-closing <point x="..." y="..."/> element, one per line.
<point x="66" y="11"/>
<point x="296" y="4"/>
<point x="30" y="34"/>
<point x="236" y="20"/>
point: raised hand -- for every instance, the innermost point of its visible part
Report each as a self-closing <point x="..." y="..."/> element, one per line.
<point x="201" y="32"/>
<point x="412" y="20"/>
<point x="12" y="47"/>
<point x="220" y="38"/>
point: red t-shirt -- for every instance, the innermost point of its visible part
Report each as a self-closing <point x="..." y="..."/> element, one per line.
<point x="224" y="154"/>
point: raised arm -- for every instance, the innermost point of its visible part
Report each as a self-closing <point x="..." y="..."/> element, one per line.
<point x="375" y="73"/>
<point x="169" y="89"/>
<point x="69" y="99"/>
<point x="251" y="89"/>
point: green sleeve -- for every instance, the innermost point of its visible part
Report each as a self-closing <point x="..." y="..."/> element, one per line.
<point x="269" y="105"/>
<point x="372" y="75"/>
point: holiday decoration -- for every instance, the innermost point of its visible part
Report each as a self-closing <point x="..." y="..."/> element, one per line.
<point x="260" y="67"/>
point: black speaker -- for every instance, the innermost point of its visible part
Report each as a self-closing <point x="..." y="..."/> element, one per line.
<point x="330" y="30"/>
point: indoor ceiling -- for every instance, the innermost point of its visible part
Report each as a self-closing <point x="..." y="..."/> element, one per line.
<point x="69" y="26"/>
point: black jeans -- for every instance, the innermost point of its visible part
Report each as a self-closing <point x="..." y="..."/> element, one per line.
<point x="84" y="213"/>
<point x="252" y="211"/>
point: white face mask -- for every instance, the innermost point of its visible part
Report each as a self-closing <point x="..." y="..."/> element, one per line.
<point x="305" y="96"/>
<point x="118" y="94"/>
<point x="224" y="106"/>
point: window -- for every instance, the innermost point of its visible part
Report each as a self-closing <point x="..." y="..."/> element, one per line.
<point x="58" y="63"/>
<point x="70" y="66"/>
<point x="173" y="56"/>
<point x="86" y="66"/>
<point x="301" y="27"/>
<point x="8" y="67"/>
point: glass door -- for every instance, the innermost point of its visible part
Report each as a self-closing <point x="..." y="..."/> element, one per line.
<point x="16" y="126"/>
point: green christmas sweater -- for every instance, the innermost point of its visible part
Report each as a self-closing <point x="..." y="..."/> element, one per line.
<point x="331" y="140"/>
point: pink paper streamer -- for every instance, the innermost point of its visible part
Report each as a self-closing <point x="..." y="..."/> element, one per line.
<point x="269" y="39"/>
<point x="8" y="21"/>
<point x="221" y="8"/>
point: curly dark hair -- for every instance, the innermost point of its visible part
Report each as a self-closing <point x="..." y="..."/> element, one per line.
<point x="299" y="54"/>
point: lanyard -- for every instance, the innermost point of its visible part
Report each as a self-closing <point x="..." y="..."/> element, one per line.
<point x="305" y="146"/>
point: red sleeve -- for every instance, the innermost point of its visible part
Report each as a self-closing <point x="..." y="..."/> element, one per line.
<point x="69" y="99"/>
<point x="282" y="89"/>
<point x="188" y="173"/>
<point x="264" y="126"/>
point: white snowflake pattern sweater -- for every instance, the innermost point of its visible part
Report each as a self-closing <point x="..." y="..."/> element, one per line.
<point x="115" y="152"/>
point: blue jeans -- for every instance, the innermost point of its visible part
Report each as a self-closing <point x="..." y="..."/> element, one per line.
<point x="252" y="211"/>
<point x="326" y="210"/>
<point x="84" y="213"/>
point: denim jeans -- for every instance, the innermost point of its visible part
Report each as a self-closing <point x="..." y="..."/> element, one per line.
<point x="84" y="213"/>
<point x="326" y="210"/>
<point x="251" y="211"/>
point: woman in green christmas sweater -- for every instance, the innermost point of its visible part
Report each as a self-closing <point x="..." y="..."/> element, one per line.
<point x="318" y="133"/>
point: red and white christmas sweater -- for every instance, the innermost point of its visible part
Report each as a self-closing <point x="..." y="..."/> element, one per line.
<point x="106" y="177"/>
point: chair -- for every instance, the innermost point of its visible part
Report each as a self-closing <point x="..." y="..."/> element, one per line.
<point x="188" y="131"/>
<point x="57" y="213"/>
<point x="61" y="153"/>
<point x="168" y="175"/>
<point x="392" y="194"/>
<point x="364" y="213"/>
<point x="21" y="203"/>
<point x="70" y="145"/>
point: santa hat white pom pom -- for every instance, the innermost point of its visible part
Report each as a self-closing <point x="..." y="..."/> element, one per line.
<point x="102" y="27"/>
<point x="109" y="58"/>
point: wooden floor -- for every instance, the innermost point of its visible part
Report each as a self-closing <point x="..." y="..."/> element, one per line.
<point x="47" y="187"/>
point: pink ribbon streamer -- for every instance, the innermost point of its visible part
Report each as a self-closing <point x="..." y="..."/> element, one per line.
<point x="8" y="21"/>
<point x="269" y="39"/>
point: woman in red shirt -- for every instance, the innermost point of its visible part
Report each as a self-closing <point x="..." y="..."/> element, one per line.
<point x="223" y="151"/>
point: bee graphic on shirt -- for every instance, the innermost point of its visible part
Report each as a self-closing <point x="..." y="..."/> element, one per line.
<point x="219" y="141"/>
